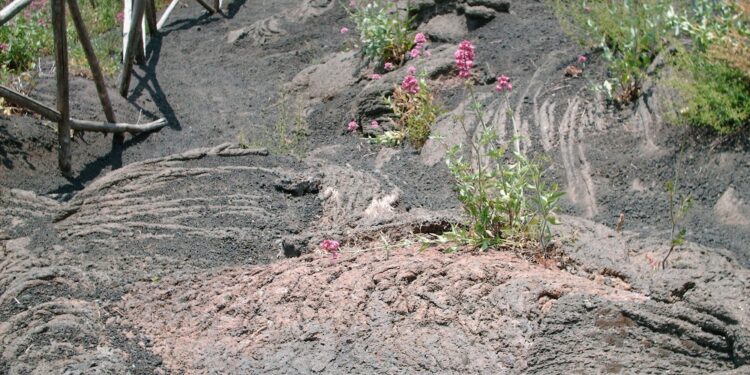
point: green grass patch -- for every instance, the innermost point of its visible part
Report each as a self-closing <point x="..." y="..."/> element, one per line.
<point x="704" y="42"/>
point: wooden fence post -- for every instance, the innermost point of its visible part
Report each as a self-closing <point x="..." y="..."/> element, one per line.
<point x="96" y="71"/>
<point x="130" y="46"/>
<point x="165" y="15"/>
<point x="208" y="8"/>
<point x="61" y="73"/>
<point x="151" y="16"/>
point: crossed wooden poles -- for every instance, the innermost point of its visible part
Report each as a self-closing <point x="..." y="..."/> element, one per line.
<point x="61" y="115"/>
<point x="143" y="13"/>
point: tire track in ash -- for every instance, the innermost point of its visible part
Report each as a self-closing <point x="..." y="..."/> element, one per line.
<point x="570" y="135"/>
<point x="644" y="122"/>
<point x="166" y="198"/>
<point x="537" y="83"/>
<point x="564" y="135"/>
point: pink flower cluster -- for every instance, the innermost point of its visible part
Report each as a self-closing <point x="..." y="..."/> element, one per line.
<point x="388" y="66"/>
<point x="36" y="6"/>
<point x="464" y="58"/>
<point x="582" y="59"/>
<point x="344" y="30"/>
<point x="410" y="84"/>
<point x="332" y="247"/>
<point x="4" y="47"/>
<point x="420" y="40"/>
<point x="352" y="126"/>
<point x="503" y="83"/>
<point x="120" y="17"/>
<point x="375" y="76"/>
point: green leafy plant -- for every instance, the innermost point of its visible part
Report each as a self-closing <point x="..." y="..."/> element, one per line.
<point x="415" y="111"/>
<point x="389" y="138"/>
<point x="708" y="22"/>
<point x="679" y="205"/>
<point x="28" y="37"/>
<point x="503" y="194"/>
<point x="385" y="31"/>
<point x="713" y="95"/>
<point x="507" y="201"/>
<point x="712" y="76"/>
<point x="25" y="38"/>
<point x="630" y="33"/>
<point x="704" y="42"/>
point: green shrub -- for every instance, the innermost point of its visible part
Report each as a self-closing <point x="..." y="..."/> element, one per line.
<point x="385" y="32"/>
<point x="734" y="48"/>
<point x="28" y="37"/>
<point x="25" y="38"/>
<point x="711" y="94"/>
<point x="710" y="71"/>
<point x="713" y="72"/>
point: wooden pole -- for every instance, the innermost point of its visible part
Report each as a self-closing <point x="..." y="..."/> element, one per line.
<point x="204" y="4"/>
<point x="151" y="16"/>
<point x="117" y="128"/>
<point x="127" y="20"/>
<point x="127" y="16"/>
<point x="12" y="9"/>
<point x="130" y="47"/>
<point x="140" y="48"/>
<point x="51" y="114"/>
<point x="61" y="73"/>
<point x="217" y="5"/>
<point x="96" y="70"/>
<point x="166" y="14"/>
<point x="32" y="105"/>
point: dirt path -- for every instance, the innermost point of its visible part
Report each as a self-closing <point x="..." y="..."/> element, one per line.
<point x="153" y="258"/>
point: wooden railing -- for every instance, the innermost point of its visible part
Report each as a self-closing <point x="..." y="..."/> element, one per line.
<point x="135" y="13"/>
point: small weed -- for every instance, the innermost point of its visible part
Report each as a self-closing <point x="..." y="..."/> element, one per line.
<point x="287" y="132"/>
<point x="242" y="141"/>
<point x="620" y="223"/>
<point x="385" y="31"/>
<point x="679" y="205"/>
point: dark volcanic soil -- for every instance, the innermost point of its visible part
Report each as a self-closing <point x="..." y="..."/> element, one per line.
<point x="158" y="256"/>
